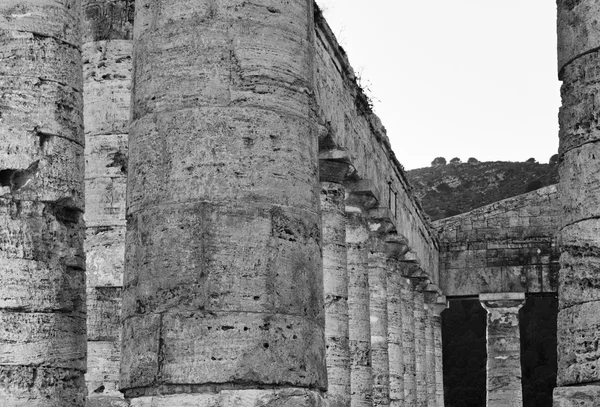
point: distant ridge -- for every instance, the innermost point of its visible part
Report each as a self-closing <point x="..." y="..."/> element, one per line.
<point x="449" y="189"/>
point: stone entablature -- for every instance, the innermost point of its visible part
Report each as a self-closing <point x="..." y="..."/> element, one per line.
<point x="508" y="246"/>
<point x="348" y="124"/>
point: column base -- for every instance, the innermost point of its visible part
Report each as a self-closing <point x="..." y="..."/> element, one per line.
<point x="576" y="396"/>
<point x="289" y="397"/>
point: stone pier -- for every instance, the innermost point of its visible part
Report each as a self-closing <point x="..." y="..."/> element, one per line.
<point x="107" y="47"/>
<point x="420" y="345"/>
<point x="42" y="261"/>
<point x="438" y="307"/>
<point x="223" y="286"/>
<point x="504" y="388"/>
<point x="335" y="280"/>
<point x="579" y="168"/>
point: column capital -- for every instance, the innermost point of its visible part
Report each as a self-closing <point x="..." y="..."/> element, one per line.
<point x="502" y="300"/>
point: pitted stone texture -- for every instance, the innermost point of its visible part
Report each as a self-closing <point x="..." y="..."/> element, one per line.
<point x="379" y="327"/>
<point x="223" y="275"/>
<point x="578" y="117"/>
<point x="335" y="282"/>
<point x="408" y="346"/>
<point x="578" y="29"/>
<point x="102" y="377"/>
<point x="576" y="396"/>
<point x="439" y="360"/>
<point x="357" y="237"/>
<point x="238" y="398"/>
<point x="107" y="86"/>
<point x="395" y="350"/>
<point x="579" y="279"/>
<point x="107" y="20"/>
<point x="504" y="388"/>
<point x="577" y="336"/>
<point x="509" y="245"/>
<point x="580" y="183"/>
<point x="37" y="386"/>
<point x="42" y="264"/>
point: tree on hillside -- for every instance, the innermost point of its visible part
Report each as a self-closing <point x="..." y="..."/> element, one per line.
<point x="455" y="160"/>
<point x="531" y="160"/>
<point x="553" y="160"/>
<point x="472" y="160"/>
<point x="438" y="161"/>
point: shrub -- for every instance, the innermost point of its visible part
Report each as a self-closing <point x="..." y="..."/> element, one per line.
<point x="438" y="161"/>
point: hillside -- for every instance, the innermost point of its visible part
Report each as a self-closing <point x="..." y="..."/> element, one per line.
<point x="449" y="189"/>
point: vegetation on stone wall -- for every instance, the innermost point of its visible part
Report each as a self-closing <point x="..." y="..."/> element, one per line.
<point x="449" y="189"/>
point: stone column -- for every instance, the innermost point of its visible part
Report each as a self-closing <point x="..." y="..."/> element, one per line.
<point x="395" y="349"/>
<point x="420" y="339"/>
<point x="504" y="387"/>
<point x="429" y="356"/>
<point x="107" y="45"/>
<point x="378" y="294"/>
<point x="438" y="307"/>
<point x="335" y="278"/>
<point x="357" y="238"/>
<point x="578" y="321"/>
<point x="42" y="262"/>
<point x="408" y="344"/>
<point x="223" y="286"/>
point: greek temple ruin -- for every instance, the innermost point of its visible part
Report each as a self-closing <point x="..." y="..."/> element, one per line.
<point x="200" y="209"/>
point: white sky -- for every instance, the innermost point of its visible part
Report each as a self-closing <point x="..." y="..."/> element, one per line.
<point x="456" y="78"/>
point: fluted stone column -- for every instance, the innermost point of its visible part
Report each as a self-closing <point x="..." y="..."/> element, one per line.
<point x="408" y="345"/>
<point x="335" y="278"/>
<point x="223" y="287"/>
<point x="42" y="262"/>
<point x="357" y="238"/>
<point x="378" y="290"/>
<point x="420" y="348"/>
<point x="395" y="334"/>
<point x="578" y="321"/>
<point x="504" y="388"/>
<point x="107" y="46"/>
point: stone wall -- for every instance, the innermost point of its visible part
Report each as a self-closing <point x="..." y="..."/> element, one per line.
<point x="508" y="246"/>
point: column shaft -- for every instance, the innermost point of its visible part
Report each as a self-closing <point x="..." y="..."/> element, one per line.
<point x="420" y="357"/>
<point x="42" y="262"/>
<point x="504" y="388"/>
<point x="429" y="355"/>
<point x="107" y="48"/>
<point x="395" y="349"/>
<point x="223" y="286"/>
<point x="578" y="321"/>
<point x="357" y="236"/>
<point x="335" y="281"/>
<point x="378" y="293"/>
<point x="408" y="345"/>
<point x="438" y="355"/>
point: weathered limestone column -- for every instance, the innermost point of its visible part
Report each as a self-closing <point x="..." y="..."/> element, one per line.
<point x="395" y="349"/>
<point x="378" y="294"/>
<point x="223" y="286"/>
<point x="504" y="388"/>
<point x="357" y="238"/>
<point x="429" y="356"/>
<point x="579" y="189"/>
<point x="438" y="307"/>
<point x="420" y="346"/>
<point x="408" y="345"/>
<point x="42" y="262"/>
<point x="335" y="279"/>
<point x="107" y="47"/>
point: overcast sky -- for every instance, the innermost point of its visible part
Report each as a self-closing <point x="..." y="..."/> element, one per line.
<point x="456" y="78"/>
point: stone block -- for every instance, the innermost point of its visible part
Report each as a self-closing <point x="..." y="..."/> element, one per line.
<point x="578" y="29"/>
<point x="578" y="335"/>
<point x="576" y="396"/>
<point x="105" y="254"/>
<point x="580" y="183"/>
